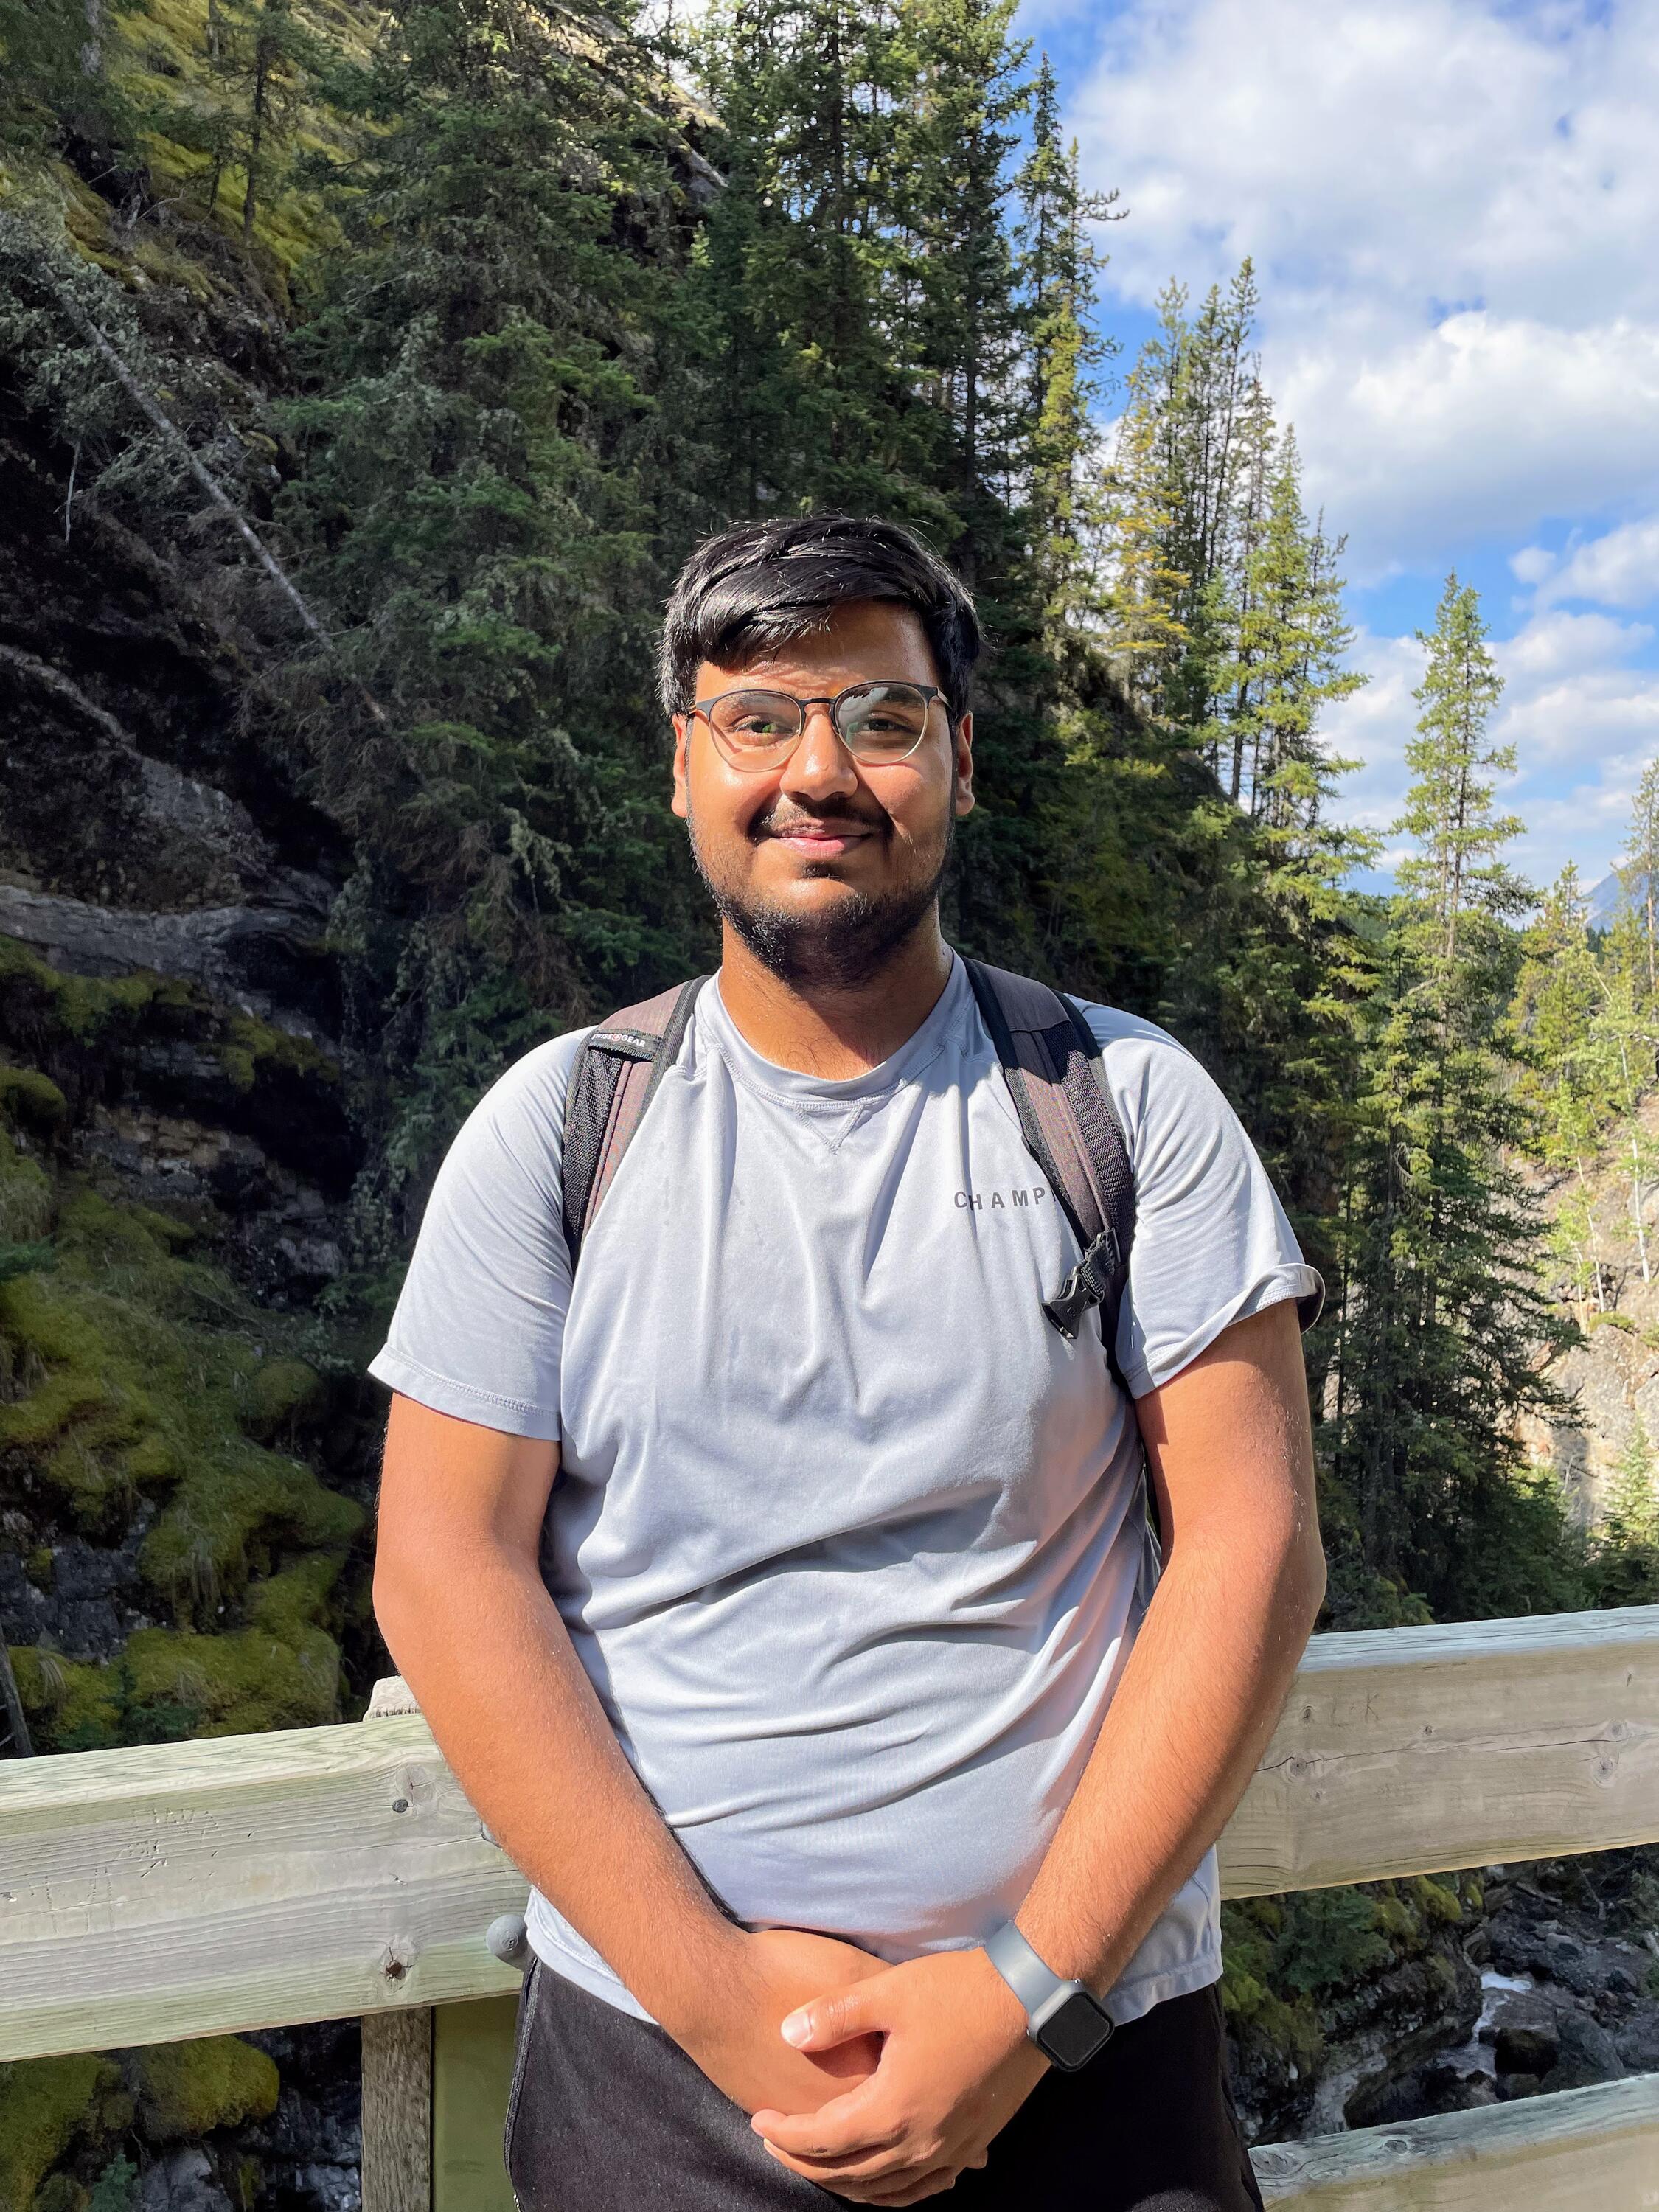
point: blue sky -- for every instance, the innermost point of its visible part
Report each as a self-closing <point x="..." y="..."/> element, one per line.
<point x="1453" y="208"/>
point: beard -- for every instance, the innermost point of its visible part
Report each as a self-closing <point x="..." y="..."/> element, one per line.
<point x="843" y="950"/>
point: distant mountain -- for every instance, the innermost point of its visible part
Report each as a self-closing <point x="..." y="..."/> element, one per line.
<point x="1605" y="899"/>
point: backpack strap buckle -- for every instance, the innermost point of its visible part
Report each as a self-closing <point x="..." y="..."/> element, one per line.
<point x="1089" y="1283"/>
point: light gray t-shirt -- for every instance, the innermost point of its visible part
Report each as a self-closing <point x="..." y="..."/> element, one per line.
<point x="847" y="1537"/>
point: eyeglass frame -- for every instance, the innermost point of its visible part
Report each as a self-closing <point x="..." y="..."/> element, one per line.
<point x="831" y="699"/>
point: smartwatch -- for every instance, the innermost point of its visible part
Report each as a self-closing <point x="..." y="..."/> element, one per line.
<point x="1067" y="2023"/>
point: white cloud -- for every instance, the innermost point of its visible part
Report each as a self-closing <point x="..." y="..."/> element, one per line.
<point x="1451" y="205"/>
<point x="1555" y="644"/>
<point x="1475" y="428"/>
<point x="1620" y="570"/>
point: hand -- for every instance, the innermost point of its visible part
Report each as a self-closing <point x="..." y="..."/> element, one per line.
<point x="739" y="2042"/>
<point x="956" y="2065"/>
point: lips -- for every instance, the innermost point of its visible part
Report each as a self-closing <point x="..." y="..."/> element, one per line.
<point x="817" y="844"/>
<point x="819" y="839"/>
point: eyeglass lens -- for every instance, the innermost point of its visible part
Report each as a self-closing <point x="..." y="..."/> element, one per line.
<point x="875" y="722"/>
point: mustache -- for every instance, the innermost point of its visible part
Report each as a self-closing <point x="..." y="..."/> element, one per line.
<point x="780" y="820"/>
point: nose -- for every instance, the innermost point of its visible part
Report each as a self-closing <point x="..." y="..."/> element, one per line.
<point x="820" y="767"/>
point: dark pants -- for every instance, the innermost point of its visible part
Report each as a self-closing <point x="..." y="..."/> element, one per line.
<point x="608" y="2114"/>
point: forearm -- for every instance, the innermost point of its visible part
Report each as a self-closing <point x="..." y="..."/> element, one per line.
<point x="1191" y="1716"/>
<point x="481" y="1644"/>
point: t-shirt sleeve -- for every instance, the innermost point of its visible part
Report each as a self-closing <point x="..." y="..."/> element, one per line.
<point x="480" y="1322"/>
<point x="1212" y="1240"/>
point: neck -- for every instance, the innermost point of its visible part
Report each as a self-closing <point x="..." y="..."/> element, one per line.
<point x="834" y="1033"/>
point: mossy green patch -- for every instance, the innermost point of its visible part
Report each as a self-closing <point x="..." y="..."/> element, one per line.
<point x="227" y="1520"/>
<point x="83" y="1006"/>
<point x="31" y="1100"/>
<point x="72" y="1705"/>
<point x="236" y="1684"/>
<point x="187" y="2089"/>
<point x="279" y="1392"/>
<point x="1440" y="1906"/>
<point x="253" y="1050"/>
<point x="62" y="2192"/>
<point x="133" y="1371"/>
<point x="47" y="2105"/>
<point x="26" y="1204"/>
<point x="137" y="1395"/>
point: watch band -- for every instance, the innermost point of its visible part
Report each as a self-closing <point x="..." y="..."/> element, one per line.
<point x="1032" y="1981"/>
<point x="1064" y="2019"/>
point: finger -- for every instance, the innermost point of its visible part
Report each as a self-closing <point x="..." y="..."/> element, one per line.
<point x="885" y="2167"/>
<point x="851" y="2125"/>
<point x="931" y="2185"/>
<point x="837" y="2018"/>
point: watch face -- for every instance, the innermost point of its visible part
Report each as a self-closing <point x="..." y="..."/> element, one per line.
<point x="1073" y="2034"/>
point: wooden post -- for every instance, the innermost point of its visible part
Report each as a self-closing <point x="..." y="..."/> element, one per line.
<point x="396" y="2173"/>
<point x="472" y="2053"/>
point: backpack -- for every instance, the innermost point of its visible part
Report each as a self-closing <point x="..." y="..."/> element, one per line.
<point x="1049" y="1061"/>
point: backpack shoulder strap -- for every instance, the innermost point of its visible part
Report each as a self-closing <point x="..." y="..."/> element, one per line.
<point x="1052" y="1067"/>
<point x="614" y="1080"/>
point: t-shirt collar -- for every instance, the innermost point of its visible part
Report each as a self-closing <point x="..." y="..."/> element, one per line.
<point x="788" y="1082"/>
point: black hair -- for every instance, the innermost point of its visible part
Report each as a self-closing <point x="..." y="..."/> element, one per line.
<point x="763" y="583"/>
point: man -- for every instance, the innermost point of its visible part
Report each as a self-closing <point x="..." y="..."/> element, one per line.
<point x="779" y="1588"/>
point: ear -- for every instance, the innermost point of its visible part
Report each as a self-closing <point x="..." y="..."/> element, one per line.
<point x="680" y="803"/>
<point x="964" y="765"/>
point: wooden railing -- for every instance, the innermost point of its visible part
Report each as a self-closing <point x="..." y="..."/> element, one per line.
<point x="194" y="1888"/>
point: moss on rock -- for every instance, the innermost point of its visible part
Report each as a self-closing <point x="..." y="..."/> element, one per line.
<point x="187" y="2089"/>
<point x="26" y="1196"/>
<point x="236" y="1684"/>
<point x="252" y="1049"/>
<point x="139" y="1395"/>
<point x="45" y="2106"/>
<point x="31" y="1100"/>
<point x="72" y="1705"/>
<point x="277" y="1393"/>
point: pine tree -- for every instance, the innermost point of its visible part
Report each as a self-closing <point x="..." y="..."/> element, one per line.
<point x="1625" y="1555"/>
<point x="1060" y="269"/>
<point x="262" y="54"/>
<point x="1290" y="657"/>
<point x="1626" y="1034"/>
<point x="812" y="379"/>
<point x="1455" y="872"/>
<point x="1639" y="871"/>
<point x="963" y="304"/>
<point x="1445" y="1327"/>
<point x="472" y="512"/>
<point x="1559" y="998"/>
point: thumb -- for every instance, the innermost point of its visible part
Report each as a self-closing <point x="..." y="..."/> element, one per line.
<point x="838" y="2018"/>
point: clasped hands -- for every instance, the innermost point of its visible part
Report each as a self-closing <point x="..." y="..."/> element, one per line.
<point x="880" y="2083"/>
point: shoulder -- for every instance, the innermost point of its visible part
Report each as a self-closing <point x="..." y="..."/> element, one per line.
<point x="522" y="1113"/>
<point x="1147" y="1071"/>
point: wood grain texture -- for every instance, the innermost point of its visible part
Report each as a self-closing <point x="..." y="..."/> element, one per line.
<point x="1582" y="2150"/>
<point x="1413" y="1750"/>
<point x="244" y="1881"/>
<point x="396" y="2169"/>
<point x="193" y="1888"/>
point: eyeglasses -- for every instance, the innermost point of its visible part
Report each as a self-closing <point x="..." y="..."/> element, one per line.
<point x="876" y="723"/>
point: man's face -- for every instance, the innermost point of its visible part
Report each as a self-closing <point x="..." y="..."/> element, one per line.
<point x="826" y="864"/>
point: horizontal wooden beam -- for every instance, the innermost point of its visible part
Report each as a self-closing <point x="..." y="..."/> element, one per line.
<point x="193" y="1888"/>
<point x="239" y="1881"/>
<point x="1413" y="1750"/>
<point x="1580" y="2150"/>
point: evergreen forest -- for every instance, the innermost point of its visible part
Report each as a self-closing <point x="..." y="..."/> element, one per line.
<point x="366" y="371"/>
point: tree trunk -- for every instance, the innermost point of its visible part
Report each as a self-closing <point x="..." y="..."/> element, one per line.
<point x="256" y="132"/>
